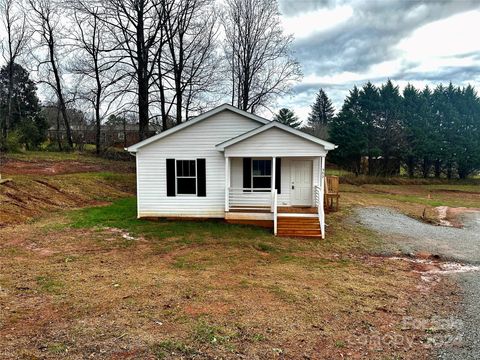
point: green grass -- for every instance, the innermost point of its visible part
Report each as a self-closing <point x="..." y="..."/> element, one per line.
<point x="166" y="348"/>
<point x="49" y="285"/>
<point x="122" y="214"/>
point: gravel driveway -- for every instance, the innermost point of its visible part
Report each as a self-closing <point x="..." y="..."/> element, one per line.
<point x="408" y="236"/>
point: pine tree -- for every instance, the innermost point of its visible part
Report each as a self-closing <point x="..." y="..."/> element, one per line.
<point x="287" y="117"/>
<point x="321" y="115"/>
<point x="390" y="130"/>
<point x="348" y="132"/>
<point x="25" y="117"/>
<point x="369" y="105"/>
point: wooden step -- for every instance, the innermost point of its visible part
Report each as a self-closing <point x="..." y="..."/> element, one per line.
<point x="298" y="227"/>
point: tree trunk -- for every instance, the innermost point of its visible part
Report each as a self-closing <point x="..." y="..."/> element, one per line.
<point x="8" y="118"/>
<point x="59" y="140"/>
<point x="61" y="100"/>
<point x="425" y="167"/>
<point x="411" y="166"/>
<point x="438" y="168"/>
<point x="142" y="69"/>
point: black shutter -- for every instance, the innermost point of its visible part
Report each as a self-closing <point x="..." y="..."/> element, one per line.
<point x="247" y="172"/>
<point x="278" y="172"/>
<point x="170" y="177"/>
<point x="201" y="178"/>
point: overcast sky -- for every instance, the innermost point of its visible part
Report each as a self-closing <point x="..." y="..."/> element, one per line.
<point x="340" y="43"/>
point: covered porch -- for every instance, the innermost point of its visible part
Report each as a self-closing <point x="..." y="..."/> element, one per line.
<point x="272" y="168"/>
<point x="286" y="190"/>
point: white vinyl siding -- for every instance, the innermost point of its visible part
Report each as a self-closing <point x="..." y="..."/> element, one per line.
<point x="275" y="142"/>
<point x="196" y="141"/>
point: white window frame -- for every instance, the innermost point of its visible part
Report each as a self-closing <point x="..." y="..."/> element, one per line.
<point x="186" y="177"/>
<point x="270" y="176"/>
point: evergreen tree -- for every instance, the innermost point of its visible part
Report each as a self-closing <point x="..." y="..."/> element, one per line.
<point x="287" y="117"/>
<point x="25" y="116"/>
<point x="390" y="131"/>
<point x="321" y="115"/>
<point x="347" y="130"/>
<point x="369" y="104"/>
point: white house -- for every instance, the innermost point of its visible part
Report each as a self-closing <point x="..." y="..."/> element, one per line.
<point x="228" y="163"/>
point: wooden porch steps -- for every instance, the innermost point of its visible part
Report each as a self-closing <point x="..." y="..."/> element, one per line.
<point x="293" y="226"/>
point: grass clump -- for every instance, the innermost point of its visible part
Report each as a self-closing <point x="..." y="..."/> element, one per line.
<point x="171" y="347"/>
<point x="204" y="332"/>
<point x="49" y="285"/>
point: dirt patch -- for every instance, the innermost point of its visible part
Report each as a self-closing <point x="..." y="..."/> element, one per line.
<point x="449" y="216"/>
<point x="28" y="197"/>
<point x="45" y="167"/>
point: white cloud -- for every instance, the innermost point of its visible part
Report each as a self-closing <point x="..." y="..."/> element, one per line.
<point x="306" y="24"/>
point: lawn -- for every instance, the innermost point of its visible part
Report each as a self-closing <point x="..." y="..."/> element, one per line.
<point x="99" y="281"/>
<point x="81" y="276"/>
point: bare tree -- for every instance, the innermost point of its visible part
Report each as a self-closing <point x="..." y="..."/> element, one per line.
<point x="134" y="28"/>
<point x="97" y="71"/>
<point x="186" y="66"/>
<point x="258" y="53"/>
<point x="46" y="20"/>
<point x="17" y="37"/>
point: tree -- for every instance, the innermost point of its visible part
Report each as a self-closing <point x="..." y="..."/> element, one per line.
<point x="390" y="130"/>
<point x="190" y="63"/>
<point x="287" y="117"/>
<point x="134" y="28"/>
<point x="23" y="105"/>
<point x="260" y="61"/>
<point x="46" y="20"/>
<point x="18" y="34"/>
<point x="348" y="131"/>
<point x="369" y="105"/>
<point x="96" y="70"/>
<point x="321" y="115"/>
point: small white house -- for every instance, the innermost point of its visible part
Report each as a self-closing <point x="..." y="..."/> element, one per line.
<point x="230" y="164"/>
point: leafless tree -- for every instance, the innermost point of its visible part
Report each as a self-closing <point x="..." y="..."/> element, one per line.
<point x="258" y="53"/>
<point x="134" y="27"/>
<point x="188" y="61"/>
<point x="191" y="30"/>
<point x="98" y="75"/>
<point x="46" y="18"/>
<point x="17" y="37"/>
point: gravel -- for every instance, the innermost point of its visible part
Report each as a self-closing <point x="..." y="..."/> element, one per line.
<point x="409" y="236"/>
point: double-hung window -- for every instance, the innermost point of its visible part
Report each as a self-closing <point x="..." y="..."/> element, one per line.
<point x="262" y="174"/>
<point x="186" y="177"/>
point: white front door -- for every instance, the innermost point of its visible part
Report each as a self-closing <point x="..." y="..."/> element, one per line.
<point x="301" y="183"/>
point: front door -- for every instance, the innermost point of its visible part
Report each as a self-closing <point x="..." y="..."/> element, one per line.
<point x="301" y="186"/>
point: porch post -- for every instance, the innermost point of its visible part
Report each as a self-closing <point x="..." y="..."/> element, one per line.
<point x="227" y="182"/>
<point x="322" y="196"/>
<point x="274" y="173"/>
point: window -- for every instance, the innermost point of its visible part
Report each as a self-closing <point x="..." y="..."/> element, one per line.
<point x="261" y="174"/>
<point x="186" y="177"/>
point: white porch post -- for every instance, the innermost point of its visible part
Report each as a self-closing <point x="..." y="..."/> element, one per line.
<point x="227" y="182"/>
<point x="322" y="196"/>
<point x="274" y="173"/>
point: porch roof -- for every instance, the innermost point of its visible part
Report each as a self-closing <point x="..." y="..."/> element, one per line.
<point x="275" y="124"/>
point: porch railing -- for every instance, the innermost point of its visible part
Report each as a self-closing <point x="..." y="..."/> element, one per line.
<point x="250" y="199"/>
<point x="319" y="203"/>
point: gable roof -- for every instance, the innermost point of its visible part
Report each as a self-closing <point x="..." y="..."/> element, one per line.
<point x="275" y="124"/>
<point x="134" y="148"/>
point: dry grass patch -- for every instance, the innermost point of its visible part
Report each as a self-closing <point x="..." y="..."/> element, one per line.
<point x="197" y="289"/>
